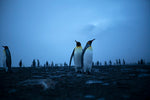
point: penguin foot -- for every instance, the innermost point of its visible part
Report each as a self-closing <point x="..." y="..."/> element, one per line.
<point x="79" y="72"/>
<point x="89" y="73"/>
<point x="10" y="71"/>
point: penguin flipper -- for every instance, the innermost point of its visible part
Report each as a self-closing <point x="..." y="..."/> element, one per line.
<point x="71" y="57"/>
<point x="82" y="57"/>
<point x="8" y="63"/>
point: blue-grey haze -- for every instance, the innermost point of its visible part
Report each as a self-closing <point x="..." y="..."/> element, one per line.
<point x="46" y="29"/>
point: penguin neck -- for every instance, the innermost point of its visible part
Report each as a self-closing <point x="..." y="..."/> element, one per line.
<point x="4" y="51"/>
<point x="7" y="52"/>
<point x="89" y="48"/>
<point x="78" y="47"/>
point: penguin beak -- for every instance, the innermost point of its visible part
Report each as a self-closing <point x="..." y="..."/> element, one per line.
<point x="92" y="40"/>
<point x="76" y="41"/>
<point x="3" y="46"/>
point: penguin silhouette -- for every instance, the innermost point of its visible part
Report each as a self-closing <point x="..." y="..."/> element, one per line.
<point x="76" y="53"/>
<point x="87" y="57"/>
<point x="7" y="59"/>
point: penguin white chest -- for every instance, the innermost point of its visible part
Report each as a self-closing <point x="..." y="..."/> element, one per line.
<point x="88" y="58"/>
<point x="77" y="57"/>
<point x="4" y="61"/>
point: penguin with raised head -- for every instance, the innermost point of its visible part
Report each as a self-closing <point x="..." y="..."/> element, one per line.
<point x="77" y="52"/>
<point x="87" y="57"/>
<point x="7" y="59"/>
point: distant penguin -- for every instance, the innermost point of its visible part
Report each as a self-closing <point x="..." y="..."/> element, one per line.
<point x="87" y="57"/>
<point x="77" y="52"/>
<point x="7" y="59"/>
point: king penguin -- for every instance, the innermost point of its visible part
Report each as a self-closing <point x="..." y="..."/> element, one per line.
<point x="7" y="59"/>
<point x="77" y="52"/>
<point x="87" y="57"/>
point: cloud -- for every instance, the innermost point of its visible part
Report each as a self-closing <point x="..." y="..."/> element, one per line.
<point x="97" y="27"/>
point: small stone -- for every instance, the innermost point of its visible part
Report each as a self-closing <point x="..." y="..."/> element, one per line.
<point x="12" y="91"/>
<point x="105" y="84"/>
<point x="89" y="96"/>
<point x="101" y="99"/>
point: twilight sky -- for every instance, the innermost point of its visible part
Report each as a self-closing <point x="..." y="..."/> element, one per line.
<point x="46" y="29"/>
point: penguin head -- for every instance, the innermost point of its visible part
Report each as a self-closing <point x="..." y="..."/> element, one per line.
<point x="5" y="47"/>
<point x="78" y="44"/>
<point x="90" y="42"/>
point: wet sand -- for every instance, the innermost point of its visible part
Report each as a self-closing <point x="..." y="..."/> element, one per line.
<point x="60" y="83"/>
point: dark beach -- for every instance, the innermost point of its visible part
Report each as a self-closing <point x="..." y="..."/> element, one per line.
<point x="129" y="82"/>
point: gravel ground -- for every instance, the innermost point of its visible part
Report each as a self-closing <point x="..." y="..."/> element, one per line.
<point x="60" y="83"/>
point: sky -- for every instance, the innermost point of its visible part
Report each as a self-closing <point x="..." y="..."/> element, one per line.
<point x="47" y="29"/>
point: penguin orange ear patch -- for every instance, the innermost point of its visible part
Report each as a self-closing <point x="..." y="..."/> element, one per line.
<point x="4" y="52"/>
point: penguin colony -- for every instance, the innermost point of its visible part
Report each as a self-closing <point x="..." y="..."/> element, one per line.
<point x="82" y="57"/>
